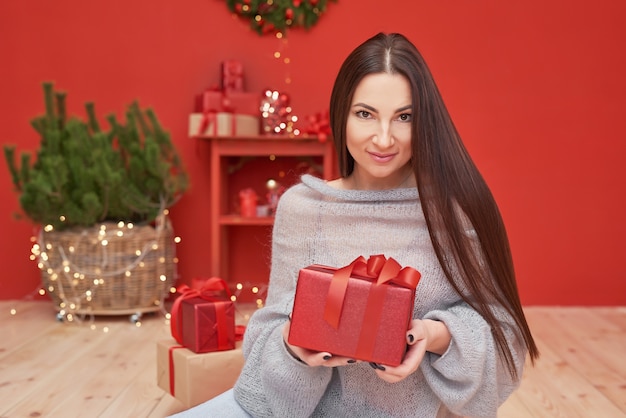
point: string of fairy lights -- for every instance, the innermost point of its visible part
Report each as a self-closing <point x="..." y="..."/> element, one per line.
<point x="76" y="286"/>
<point x="80" y="270"/>
<point x="276" y="110"/>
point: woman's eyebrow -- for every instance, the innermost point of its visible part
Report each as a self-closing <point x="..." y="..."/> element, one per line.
<point x="368" y="107"/>
<point x="374" y="110"/>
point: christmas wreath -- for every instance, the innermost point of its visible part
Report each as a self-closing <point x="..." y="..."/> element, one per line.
<point x="276" y="16"/>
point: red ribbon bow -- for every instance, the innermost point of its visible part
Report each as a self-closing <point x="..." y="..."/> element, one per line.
<point x="376" y="267"/>
<point x="319" y="124"/>
<point x="171" y="368"/>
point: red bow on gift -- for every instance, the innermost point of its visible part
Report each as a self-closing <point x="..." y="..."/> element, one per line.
<point x="210" y="291"/>
<point x="319" y="124"/>
<point x="376" y="267"/>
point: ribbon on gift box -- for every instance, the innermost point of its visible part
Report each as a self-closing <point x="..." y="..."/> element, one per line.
<point x="209" y="291"/>
<point x="383" y="271"/>
<point x="171" y="367"/>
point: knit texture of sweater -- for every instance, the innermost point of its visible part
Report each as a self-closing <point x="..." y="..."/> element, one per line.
<point x="318" y="224"/>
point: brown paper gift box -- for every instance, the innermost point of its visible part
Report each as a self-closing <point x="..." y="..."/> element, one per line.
<point x="223" y="125"/>
<point x="197" y="377"/>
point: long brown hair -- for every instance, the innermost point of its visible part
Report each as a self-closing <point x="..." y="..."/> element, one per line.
<point x="450" y="186"/>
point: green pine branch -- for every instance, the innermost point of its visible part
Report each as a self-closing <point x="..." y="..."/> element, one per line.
<point x="84" y="175"/>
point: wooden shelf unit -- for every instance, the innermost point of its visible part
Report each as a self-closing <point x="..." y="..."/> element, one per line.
<point x="253" y="146"/>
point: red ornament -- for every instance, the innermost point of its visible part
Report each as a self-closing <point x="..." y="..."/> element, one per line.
<point x="289" y="14"/>
<point x="265" y="8"/>
<point x="296" y="3"/>
<point x="268" y="28"/>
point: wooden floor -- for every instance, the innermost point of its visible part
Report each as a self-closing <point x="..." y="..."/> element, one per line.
<point x="106" y="368"/>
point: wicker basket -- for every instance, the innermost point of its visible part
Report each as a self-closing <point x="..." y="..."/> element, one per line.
<point x="109" y="269"/>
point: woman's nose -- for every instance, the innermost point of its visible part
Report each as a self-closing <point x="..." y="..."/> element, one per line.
<point x="384" y="137"/>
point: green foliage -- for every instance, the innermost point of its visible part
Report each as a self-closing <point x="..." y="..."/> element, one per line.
<point x="278" y="15"/>
<point x="83" y="175"/>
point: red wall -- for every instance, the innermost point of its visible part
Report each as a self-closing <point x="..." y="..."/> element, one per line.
<point x="536" y="89"/>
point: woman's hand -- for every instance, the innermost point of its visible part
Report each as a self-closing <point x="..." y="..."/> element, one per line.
<point x="424" y="335"/>
<point x="314" y="358"/>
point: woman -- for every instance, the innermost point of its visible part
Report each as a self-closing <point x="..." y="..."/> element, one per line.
<point x="409" y="190"/>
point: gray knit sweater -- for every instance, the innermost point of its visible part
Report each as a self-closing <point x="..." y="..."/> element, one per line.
<point x="318" y="224"/>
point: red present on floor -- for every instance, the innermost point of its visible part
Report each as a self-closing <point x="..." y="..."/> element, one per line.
<point x="208" y="325"/>
<point x="361" y="311"/>
<point x="203" y="320"/>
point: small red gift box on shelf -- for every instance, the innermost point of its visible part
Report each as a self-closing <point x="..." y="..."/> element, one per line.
<point x="239" y="102"/>
<point x="203" y="320"/>
<point x="360" y="311"/>
<point x="232" y="75"/>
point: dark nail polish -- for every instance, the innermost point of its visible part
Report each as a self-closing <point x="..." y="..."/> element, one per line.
<point x="327" y="357"/>
<point x="377" y="366"/>
<point x="411" y="338"/>
<point x="351" y="361"/>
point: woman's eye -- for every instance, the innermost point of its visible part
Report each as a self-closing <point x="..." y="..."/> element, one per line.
<point x="363" y="114"/>
<point x="405" y="117"/>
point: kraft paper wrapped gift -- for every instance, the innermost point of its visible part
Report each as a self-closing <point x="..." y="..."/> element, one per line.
<point x="361" y="311"/>
<point x="217" y="124"/>
<point x="193" y="378"/>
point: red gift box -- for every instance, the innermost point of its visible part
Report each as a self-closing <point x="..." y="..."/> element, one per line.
<point x="208" y="325"/>
<point x="243" y="103"/>
<point x="240" y="103"/>
<point x="361" y="311"/>
<point x="232" y="76"/>
<point x="210" y="100"/>
<point x="202" y="320"/>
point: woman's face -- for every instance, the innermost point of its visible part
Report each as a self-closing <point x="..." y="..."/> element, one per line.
<point x="378" y="133"/>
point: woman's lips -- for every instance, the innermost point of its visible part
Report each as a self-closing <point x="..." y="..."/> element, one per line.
<point x="381" y="158"/>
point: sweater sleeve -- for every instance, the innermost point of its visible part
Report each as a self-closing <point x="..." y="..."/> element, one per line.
<point x="272" y="382"/>
<point x="470" y="378"/>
